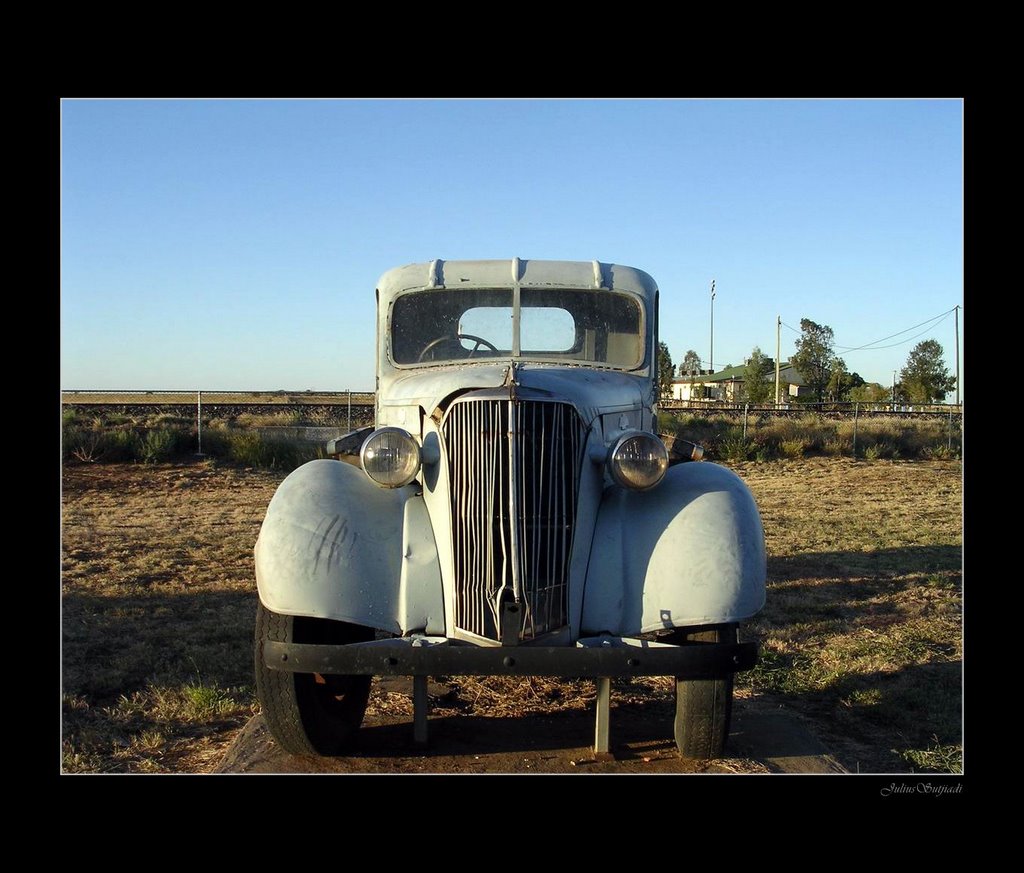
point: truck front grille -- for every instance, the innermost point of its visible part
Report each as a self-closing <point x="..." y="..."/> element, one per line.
<point x="512" y="459"/>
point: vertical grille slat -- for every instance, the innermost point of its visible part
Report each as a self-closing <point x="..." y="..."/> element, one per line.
<point x="504" y="456"/>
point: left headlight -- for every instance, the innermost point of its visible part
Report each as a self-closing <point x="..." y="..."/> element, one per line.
<point x="638" y="461"/>
<point x="391" y="457"/>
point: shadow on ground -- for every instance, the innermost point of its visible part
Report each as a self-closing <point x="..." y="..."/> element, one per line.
<point x="764" y="738"/>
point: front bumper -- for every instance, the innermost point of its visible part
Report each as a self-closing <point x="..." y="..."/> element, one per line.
<point x="603" y="656"/>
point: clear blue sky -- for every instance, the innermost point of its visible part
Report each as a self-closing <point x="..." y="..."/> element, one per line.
<point x="237" y="244"/>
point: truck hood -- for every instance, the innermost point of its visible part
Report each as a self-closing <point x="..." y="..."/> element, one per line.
<point x="593" y="392"/>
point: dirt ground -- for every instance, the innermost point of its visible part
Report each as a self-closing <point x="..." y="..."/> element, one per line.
<point x="764" y="739"/>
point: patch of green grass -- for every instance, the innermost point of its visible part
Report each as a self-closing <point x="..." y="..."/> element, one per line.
<point x="938" y="758"/>
<point x="138" y="731"/>
<point x="169" y="704"/>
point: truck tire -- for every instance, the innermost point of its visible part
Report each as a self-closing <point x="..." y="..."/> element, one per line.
<point x="703" y="706"/>
<point x="309" y="713"/>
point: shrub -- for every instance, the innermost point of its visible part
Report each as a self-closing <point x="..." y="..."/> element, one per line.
<point x="940" y="452"/>
<point x="882" y="449"/>
<point x="735" y="447"/>
<point x="121" y="445"/>
<point x="835" y="447"/>
<point x="792" y="448"/>
<point x="81" y="444"/>
<point x="252" y="449"/>
<point x="160" y="444"/>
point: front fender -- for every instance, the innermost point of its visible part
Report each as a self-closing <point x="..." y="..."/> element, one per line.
<point x="334" y="545"/>
<point x="689" y="552"/>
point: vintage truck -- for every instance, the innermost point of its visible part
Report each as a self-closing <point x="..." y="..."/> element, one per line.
<point x="516" y="512"/>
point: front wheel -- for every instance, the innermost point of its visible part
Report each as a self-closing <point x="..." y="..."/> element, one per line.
<point x="309" y="713"/>
<point x="703" y="706"/>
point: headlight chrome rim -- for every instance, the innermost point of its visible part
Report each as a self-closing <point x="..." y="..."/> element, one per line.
<point x="622" y="453"/>
<point x="390" y="457"/>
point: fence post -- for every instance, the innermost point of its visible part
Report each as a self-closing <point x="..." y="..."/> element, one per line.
<point x="199" y="422"/>
<point x="746" y="406"/>
<point x="856" y="409"/>
<point x="949" y="442"/>
<point x="350" y="410"/>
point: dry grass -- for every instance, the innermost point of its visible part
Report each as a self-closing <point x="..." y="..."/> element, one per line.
<point x="770" y="437"/>
<point x="158" y="609"/>
<point x="861" y="633"/>
<point x="863" y="626"/>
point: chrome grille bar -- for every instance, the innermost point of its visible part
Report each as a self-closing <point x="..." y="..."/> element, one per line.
<point x="514" y="470"/>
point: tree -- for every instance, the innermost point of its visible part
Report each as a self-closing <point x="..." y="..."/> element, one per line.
<point x="815" y="358"/>
<point x="871" y="392"/>
<point x="841" y="383"/>
<point x="690" y="365"/>
<point x="925" y="378"/>
<point x="666" y="371"/>
<point x="757" y="379"/>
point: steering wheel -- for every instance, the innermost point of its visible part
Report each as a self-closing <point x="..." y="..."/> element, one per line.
<point x="480" y="341"/>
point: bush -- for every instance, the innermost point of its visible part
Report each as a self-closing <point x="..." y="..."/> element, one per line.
<point x="161" y="444"/>
<point x="835" y="447"/>
<point x="81" y="443"/>
<point x="796" y="436"/>
<point x="940" y="452"/>
<point x="794" y="448"/>
<point x="91" y="444"/>
<point x="95" y="441"/>
<point x="252" y="449"/>
<point x="121" y="445"/>
<point x="882" y="449"/>
<point x="735" y="447"/>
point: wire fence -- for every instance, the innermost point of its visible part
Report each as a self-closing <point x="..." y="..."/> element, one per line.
<point x="739" y="431"/>
<point x="727" y="429"/>
<point x="847" y="408"/>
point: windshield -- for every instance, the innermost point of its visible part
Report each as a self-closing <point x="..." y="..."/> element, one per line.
<point x="442" y="325"/>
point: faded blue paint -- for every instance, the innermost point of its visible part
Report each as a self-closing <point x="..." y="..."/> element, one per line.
<point x="334" y="545"/>
<point x="688" y="552"/>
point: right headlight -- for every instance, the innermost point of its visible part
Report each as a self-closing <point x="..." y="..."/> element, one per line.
<point x="638" y="461"/>
<point x="391" y="457"/>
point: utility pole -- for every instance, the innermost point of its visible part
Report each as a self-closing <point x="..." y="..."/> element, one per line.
<point x="711" y="360"/>
<point x="956" y="318"/>
<point x="199" y="423"/>
<point x="894" y="390"/>
<point x="778" y="331"/>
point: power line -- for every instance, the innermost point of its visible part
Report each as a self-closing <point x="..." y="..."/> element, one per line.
<point x="936" y="319"/>
<point x="903" y="342"/>
<point x="873" y="345"/>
